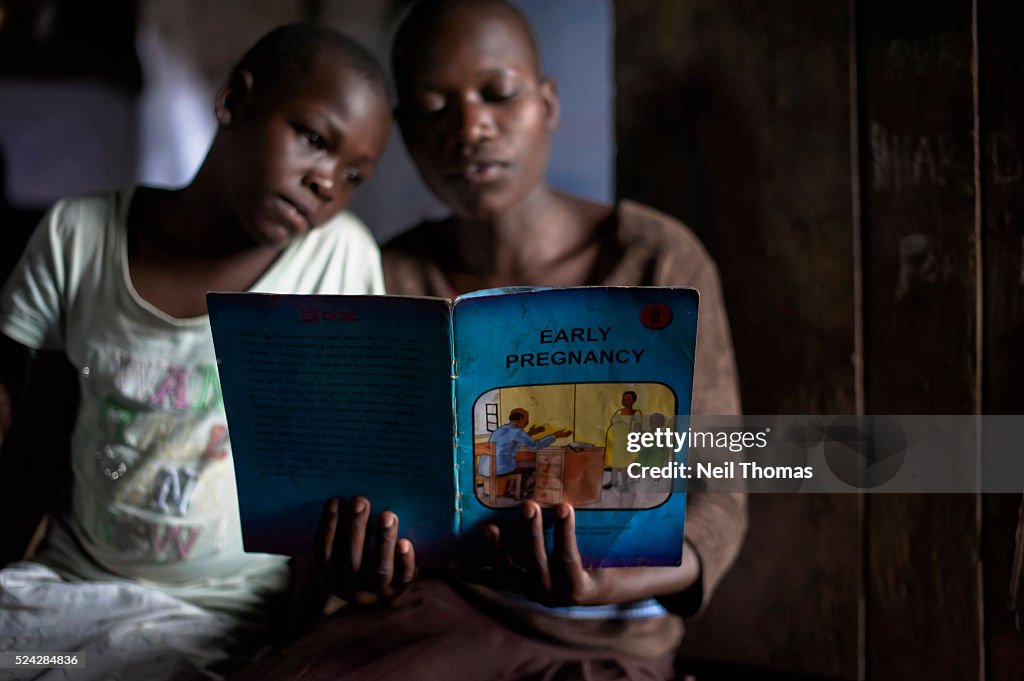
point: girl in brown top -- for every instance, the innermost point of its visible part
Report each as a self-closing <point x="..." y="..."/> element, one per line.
<point x="477" y="115"/>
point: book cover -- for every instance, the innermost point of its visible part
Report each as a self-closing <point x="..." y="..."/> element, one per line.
<point x="450" y="413"/>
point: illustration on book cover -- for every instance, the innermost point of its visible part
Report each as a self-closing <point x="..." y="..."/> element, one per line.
<point x="559" y="444"/>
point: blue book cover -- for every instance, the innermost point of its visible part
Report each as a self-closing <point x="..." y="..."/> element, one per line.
<point x="451" y="413"/>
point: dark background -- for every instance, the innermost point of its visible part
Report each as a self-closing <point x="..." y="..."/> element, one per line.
<point x="855" y="169"/>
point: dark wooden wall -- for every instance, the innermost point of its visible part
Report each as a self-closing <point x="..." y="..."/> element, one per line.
<point x="855" y="168"/>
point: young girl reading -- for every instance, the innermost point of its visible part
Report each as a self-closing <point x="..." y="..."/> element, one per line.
<point x="143" y="572"/>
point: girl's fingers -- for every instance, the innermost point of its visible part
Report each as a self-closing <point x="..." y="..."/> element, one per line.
<point x="569" y="564"/>
<point x="388" y="541"/>
<point x="339" y="553"/>
<point x="357" y="533"/>
<point x="493" y="536"/>
<point x="326" y="532"/>
<point x="406" y="562"/>
<point x="498" y="556"/>
<point x="538" y="553"/>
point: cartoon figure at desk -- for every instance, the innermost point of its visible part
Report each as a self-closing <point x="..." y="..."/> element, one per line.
<point x="511" y="479"/>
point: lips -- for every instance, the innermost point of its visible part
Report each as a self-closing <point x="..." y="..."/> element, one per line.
<point x="294" y="213"/>
<point x="478" y="170"/>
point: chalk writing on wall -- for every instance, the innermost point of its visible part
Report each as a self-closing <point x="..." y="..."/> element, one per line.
<point x="901" y="160"/>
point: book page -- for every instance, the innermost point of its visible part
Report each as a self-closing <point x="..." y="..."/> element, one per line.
<point x="336" y="396"/>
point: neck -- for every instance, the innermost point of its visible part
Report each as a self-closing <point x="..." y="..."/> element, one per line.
<point x="194" y="221"/>
<point x="543" y="229"/>
<point x="204" y="224"/>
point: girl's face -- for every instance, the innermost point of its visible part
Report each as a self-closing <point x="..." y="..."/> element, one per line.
<point x="475" y="115"/>
<point x="297" y="160"/>
<point x="627" y="399"/>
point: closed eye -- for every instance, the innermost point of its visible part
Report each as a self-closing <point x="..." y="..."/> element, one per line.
<point x="498" y="95"/>
<point x="502" y="87"/>
<point x="428" y="105"/>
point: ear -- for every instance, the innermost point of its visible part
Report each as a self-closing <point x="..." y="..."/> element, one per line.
<point x="549" y="96"/>
<point x="233" y="98"/>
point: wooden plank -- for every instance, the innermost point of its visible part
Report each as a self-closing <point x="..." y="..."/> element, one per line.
<point x="1002" y="180"/>
<point x="1004" y="642"/>
<point x="734" y="117"/>
<point x="917" y="125"/>
<point x="790" y="603"/>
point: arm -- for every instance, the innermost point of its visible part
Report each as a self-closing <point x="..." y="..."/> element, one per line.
<point x="715" y="523"/>
<point x="35" y="455"/>
<point x="525" y="440"/>
<point x="13" y="362"/>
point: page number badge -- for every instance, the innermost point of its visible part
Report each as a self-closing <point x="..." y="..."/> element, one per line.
<point x="656" y="316"/>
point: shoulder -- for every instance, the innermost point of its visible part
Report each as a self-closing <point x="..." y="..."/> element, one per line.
<point x="64" y="262"/>
<point x="344" y="230"/>
<point x="677" y="253"/>
<point x="76" y="236"/>
<point x="82" y="219"/>
<point x="343" y="241"/>
<point x="339" y="256"/>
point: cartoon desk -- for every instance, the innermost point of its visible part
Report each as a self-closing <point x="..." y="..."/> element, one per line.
<point x="569" y="474"/>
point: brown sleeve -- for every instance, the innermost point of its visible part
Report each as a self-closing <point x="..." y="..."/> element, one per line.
<point x="715" y="522"/>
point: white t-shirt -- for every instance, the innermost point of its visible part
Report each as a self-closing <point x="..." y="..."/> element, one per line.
<point x="154" y="496"/>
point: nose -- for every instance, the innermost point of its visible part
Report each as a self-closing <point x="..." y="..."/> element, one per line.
<point x="321" y="179"/>
<point x="476" y="122"/>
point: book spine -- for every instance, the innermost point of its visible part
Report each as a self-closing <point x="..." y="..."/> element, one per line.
<point x="457" y="501"/>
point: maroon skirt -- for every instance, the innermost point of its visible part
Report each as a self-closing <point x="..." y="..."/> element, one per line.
<point x="435" y="631"/>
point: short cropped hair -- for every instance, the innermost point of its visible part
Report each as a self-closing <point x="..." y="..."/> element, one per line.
<point x="284" y="57"/>
<point x="422" y="20"/>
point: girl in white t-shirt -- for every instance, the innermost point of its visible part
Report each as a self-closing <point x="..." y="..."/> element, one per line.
<point x="143" y="567"/>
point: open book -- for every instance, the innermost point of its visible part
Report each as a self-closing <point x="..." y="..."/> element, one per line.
<point x="450" y="412"/>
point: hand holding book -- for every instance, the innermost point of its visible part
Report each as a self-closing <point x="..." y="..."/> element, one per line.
<point x="523" y="564"/>
<point x="361" y="563"/>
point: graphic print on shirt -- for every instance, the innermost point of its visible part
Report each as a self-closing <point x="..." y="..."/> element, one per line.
<point x="161" y="458"/>
<point x="173" y="485"/>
